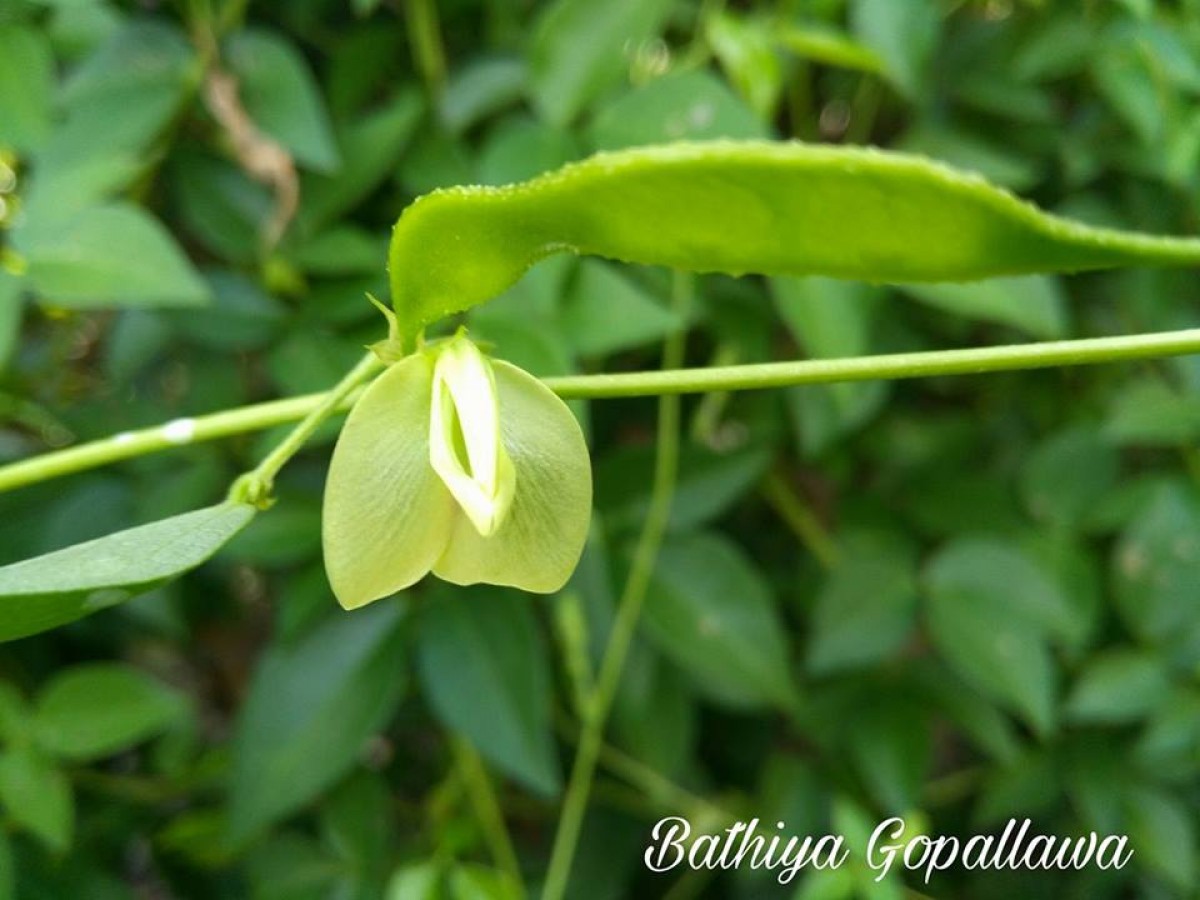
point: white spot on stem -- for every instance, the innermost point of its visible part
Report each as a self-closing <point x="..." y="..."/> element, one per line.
<point x="180" y="431"/>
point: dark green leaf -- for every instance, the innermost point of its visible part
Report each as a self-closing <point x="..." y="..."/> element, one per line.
<point x="605" y="312"/>
<point x="485" y="671"/>
<point x="371" y="149"/>
<point x="481" y="87"/>
<point x="1068" y="474"/>
<point x="580" y="50"/>
<point x="676" y="107"/>
<point x="311" y="708"/>
<point x="990" y="610"/>
<point x="1162" y="830"/>
<point x="37" y="796"/>
<point x="903" y="33"/>
<point x="282" y="98"/>
<point x="1118" y="686"/>
<point x="1034" y="304"/>
<point x="92" y="711"/>
<point x="866" y="609"/>
<point x="711" y="612"/>
<point x="1157" y="569"/>
<point x="11" y="289"/>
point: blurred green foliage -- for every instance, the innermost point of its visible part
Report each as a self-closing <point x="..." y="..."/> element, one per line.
<point x="958" y="599"/>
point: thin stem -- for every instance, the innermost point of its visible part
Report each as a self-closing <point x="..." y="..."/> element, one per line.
<point x="654" y="783"/>
<point x="425" y="40"/>
<point x="800" y="519"/>
<point x="975" y="360"/>
<point x="487" y="810"/>
<point x="629" y="610"/>
<point x="651" y="783"/>
<point x="255" y="486"/>
<point x="971" y="361"/>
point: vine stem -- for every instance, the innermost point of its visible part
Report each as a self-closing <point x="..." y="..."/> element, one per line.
<point x="487" y="809"/>
<point x="255" y="486"/>
<point x="629" y="611"/>
<point x="975" y="360"/>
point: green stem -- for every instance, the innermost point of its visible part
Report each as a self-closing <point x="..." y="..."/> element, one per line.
<point x="971" y="361"/>
<point x="975" y="360"/>
<point x="425" y="39"/>
<point x="798" y="517"/>
<point x="487" y="810"/>
<point x="629" y="610"/>
<point x="255" y="486"/>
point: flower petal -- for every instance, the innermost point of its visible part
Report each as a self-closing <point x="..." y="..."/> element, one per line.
<point x="387" y="516"/>
<point x="539" y="543"/>
<point x="464" y="425"/>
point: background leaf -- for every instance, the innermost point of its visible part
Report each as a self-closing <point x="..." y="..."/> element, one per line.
<point x="484" y="670"/>
<point x="93" y="711"/>
<point x="280" y="95"/>
<point x="62" y="586"/>
<point x="710" y="612"/>
<point x="110" y="256"/>
<point x="581" y="48"/>
<point x="311" y="708"/>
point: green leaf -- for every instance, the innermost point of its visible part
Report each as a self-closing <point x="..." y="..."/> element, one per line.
<point x="890" y="745"/>
<point x="1148" y="412"/>
<point x="485" y="670"/>
<point x="282" y="98"/>
<point x="221" y="206"/>
<point x="109" y="256"/>
<point x="903" y="33"/>
<point x="709" y="483"/>
<point x="370" y="147"/>
<point x="830" y="318"/>
<point x="605" y="312"/>
<point x="26" y="86"/>
<point x="92" y="711"/>
<point x="415" y="881"/>
<point x="1067" y="475"/>
<point x="242" y="316"/>
<point x="828" y="47"/>
<point x="1162" y="830"/>
<point x="1033" y="304"/>
<point x="1118" y="686"/>
<point x="520" y="148"/>
<point x="580" y="50"/>
<point x="866" y="609"/>
<point x="1157" y="568"/>
<point x="473" y="882"/>
<point x="312" y="706"/>
<point x="781" y="209"/>
<point x="480" y="87"/>
<point x="711" y="612"/>
<point x="117" y="101"/>
<point x="51" y="590"/>
<point x="745" y="49"/>
<point x="8" y="870"/>
<point x="693" y="105"/>
<point x="15" y="723"/>
<point x="990" y="610"/>
<point x="11" y="289"/>
<point x="37" y="796"/>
